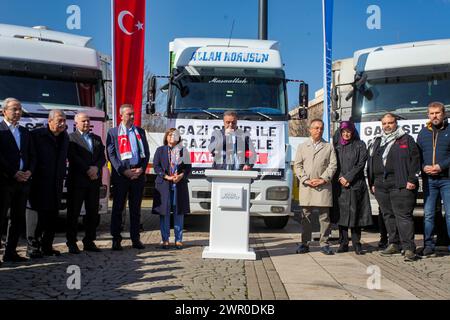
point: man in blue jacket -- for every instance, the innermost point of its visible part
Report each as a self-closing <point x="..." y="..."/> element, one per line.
<point x="434" y="145"/>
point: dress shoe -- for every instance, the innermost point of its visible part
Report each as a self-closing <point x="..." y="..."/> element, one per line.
<point x="302" y="249"/>
<point x="342" y="248"/>
<point x="73" y="248"/>
<point x="382" y="245"/>
<point x="50" y="252"/>
<point x="33" y="249"/>
<point x="91" y="247"/>
<point x="358" y="249"/>
<point x="326" y="250"/>
<point x="178" y="245"/>
<point x="13" y="257"/>
<point x="116" y="245"/>
<point x="138" y="245"/>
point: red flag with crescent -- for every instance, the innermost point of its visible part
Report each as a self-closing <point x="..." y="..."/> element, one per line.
<point x="128" y="55"/>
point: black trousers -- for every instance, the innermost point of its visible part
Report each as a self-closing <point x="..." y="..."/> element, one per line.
<point x="343" y="235"/>
<point x="134" y="189"/>
<point x="46" y="227"/>
<point x="76" y="197"/>
<point x="397" y="206"/>
<point x="13" y="197"/>
<point x="382" y="227"/>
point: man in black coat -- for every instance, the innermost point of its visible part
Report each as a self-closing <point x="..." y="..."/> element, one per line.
<point x="52" y="143"/>
<point x="86" y="159"/>
<point x="231" y="148"/>
<point x="128" y="152"/>
<point x="393" y="167"/>
<point x="17" y="163"/>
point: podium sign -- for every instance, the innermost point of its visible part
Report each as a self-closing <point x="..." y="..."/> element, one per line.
<point x="230" y="215"/>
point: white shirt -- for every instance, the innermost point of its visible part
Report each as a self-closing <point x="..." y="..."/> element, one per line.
<point x="16" y="134"/>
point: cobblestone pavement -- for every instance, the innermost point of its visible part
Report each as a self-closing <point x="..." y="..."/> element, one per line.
<point x="427" y="278"/>
<point x="152" y="273"/>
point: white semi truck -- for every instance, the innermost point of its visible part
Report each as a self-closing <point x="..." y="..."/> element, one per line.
<point x="48" y="70"/>
<point x="210" y="76"/>
<point x="401" y="78"/>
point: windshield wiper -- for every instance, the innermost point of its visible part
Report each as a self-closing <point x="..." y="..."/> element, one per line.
<point x="199" y="110"/>
<point x="382" y="112"/>
<point x="264" y="115"/>
<point x="211" y="114"/>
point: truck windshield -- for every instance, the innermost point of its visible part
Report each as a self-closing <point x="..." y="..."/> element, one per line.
<point x="85" y="93"/>
<point x="406" y="96"/>
<point x="245" y="93"/>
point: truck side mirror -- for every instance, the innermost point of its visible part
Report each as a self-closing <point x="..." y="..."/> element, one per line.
<point x="151" y="95"/>
<point x="303" y="100"/>
<point x="335" y="97"/>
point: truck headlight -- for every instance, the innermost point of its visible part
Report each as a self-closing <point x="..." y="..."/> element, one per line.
<point x="277" y="193"/>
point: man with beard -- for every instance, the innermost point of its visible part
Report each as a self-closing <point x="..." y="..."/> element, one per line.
<point x="434" y="145"/>
<point x="393" y="167"/>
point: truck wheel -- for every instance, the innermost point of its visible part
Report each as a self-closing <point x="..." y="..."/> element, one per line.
<point x="276" y="222"/>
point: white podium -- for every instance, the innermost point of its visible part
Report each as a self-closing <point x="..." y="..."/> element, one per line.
<point x="230" y="215"/>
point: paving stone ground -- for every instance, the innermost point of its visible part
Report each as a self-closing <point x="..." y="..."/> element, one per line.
<point x="154" y="273"/>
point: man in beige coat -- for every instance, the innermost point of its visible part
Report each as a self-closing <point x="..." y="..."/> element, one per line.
<point x="315" y="165"/>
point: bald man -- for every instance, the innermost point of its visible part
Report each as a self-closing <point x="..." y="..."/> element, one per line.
<point x="86" y="159"/>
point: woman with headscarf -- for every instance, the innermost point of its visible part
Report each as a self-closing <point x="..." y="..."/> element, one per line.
<point x="351" y="189"/>
<point x="172" y="167"/>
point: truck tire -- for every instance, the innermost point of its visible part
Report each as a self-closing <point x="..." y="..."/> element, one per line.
<point x="276" y="222"/>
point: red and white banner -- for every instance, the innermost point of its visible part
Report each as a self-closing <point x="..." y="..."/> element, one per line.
<point x="268" y="139"/>
<point x="128" y="55"/>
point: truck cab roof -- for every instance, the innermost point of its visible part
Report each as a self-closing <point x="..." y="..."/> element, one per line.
<point x="221" y="52"/>
<point x="46" y="46"/>
<point x="403" y="55"/>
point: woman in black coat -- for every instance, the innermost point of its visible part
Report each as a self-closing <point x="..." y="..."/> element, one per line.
<point x="172" y="167"/>
<point x="350" y="186"/>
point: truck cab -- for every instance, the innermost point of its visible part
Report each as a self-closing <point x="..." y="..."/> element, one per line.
<point x="401" y="78"/>
<point x="211" y="76"/>
<point x="48" y="70"/>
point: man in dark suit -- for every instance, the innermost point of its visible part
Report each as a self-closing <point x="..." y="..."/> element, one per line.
<point x="231" y="147"/>
<point x="17" y="163"/>
<point x="86" y="159"/>
<point x="128" y="152"/>
<point x="52" y="143"/>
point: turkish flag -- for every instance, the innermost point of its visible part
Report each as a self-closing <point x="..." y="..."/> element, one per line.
<point x="128" y="55"/>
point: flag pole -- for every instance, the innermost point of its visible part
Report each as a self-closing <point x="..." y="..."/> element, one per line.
<point x="113" y="65"/>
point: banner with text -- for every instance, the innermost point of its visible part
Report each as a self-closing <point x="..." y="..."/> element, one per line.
<point x="268" y="140"/>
